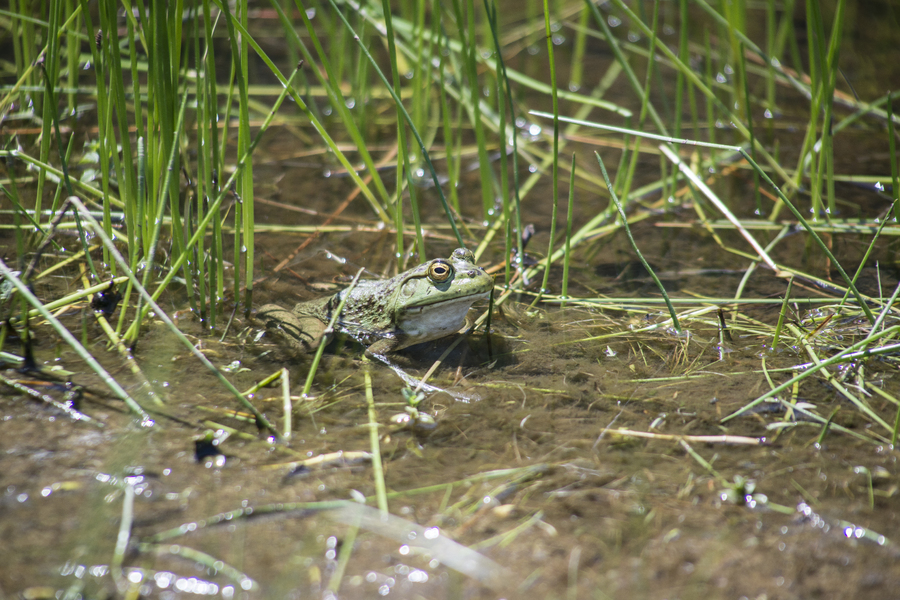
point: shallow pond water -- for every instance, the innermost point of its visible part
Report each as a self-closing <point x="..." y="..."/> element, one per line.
<point x="538" y="486"/>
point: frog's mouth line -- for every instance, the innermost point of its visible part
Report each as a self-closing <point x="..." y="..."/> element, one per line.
<point x="469" y="298"/>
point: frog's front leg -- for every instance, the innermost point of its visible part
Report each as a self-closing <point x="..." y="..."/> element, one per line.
<point x="302" y="332"/>
<point x="382" y="347"/>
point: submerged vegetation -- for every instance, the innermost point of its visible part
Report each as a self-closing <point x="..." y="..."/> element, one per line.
<point x="730" y="156"/>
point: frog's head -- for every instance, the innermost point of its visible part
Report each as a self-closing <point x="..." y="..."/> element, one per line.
<point x="432" y="299"/>
<point x="442" y="280"/>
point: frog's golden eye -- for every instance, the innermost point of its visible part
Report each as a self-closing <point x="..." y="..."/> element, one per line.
<point x="439" y="271"/>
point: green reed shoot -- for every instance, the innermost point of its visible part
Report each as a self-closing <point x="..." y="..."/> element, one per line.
<point x="244" y="208"/>
<point x="776" y="335"/>
<point x="408" y="120"/>
<point x="375" y="441"/>
<point x="404" y="168"/>
<point x="161" y="207"/>
<point x="104" y="140"/>
<point x="896" y="428"/>
<point x="635" y="247"/>
<point x="710" y="104"/>
<point x="895" y="167"/>
<point x="554" y="177"/>
<point x="869" y="249"/>
<point x="505" y="98"/>
<point x="331" y="84"/>
<point x="469" y="46"/>
<point x="178" y="263"/>
<point x="567" y="252"/>
<point x="317" y="358"/>
<point x="748" y="112"/>
<point x="160" y="313"/>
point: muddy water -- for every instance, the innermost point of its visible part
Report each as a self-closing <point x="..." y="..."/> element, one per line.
<point x="534" y="476"/>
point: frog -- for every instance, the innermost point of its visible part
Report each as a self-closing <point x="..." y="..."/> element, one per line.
<point x="425" y="303"/>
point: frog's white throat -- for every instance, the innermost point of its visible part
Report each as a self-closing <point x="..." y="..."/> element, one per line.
<point x="433" y="321"/>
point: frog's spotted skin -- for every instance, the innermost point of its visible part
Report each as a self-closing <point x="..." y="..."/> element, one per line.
<point x="425" y="303"/>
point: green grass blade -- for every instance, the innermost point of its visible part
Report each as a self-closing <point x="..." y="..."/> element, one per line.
<point x="554" y="177"/>
<point x="895" y="166"/>
<point x="437" y="184"/>
<point x="177" y="264"/>
<point x="634" y="245"/>
<point x="331" y="84"/>
<point x="568" y="248"/>
<point x="857" y="350"/>
<point x="404" y="165"/>
<point x="351" y="171"/>
<point x="151" y="303"/>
